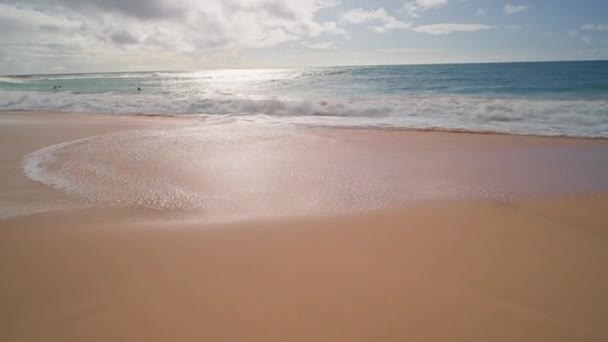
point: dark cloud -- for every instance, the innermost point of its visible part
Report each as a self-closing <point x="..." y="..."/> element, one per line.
<point x="140" y="9"/>
<point x="124" y="37"/>
<point x="148" y="9"/>
<point x="49" y="28"/>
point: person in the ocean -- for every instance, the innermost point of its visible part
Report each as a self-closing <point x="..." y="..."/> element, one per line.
<point x="138" y="88"/>
<point x="55" y="88"/>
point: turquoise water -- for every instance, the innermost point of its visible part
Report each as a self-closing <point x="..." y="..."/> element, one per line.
<point x="553" y="98"/>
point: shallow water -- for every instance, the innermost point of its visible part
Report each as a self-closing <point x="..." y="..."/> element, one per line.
<point x="244" y="168"/>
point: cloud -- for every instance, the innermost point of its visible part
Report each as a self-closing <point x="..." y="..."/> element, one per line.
<point x="153" y="9"/>
<point x="513" y="9"/>
<point x="513" y="27"/>
<point x="448" y="28"/>
<point x="480" y="12"/>
<point x="409" y="50"/>
<point x="124" y="37"/>
<point x="414" y="7"/>
<point x="319" y="45"/>
<point x="572" y="33"/>
<point x="386" y="21"/>
<point x="587" y="29"/>
<point x="595" y="27"/>
<point x="153" y="29"/>
<point x="360" y="16"/>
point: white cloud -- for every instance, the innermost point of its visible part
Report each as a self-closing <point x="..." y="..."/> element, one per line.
<point x="513" y="27"/>
<point x="481" y="11"/>
<point x="386" y="21"/>
<point x="512" y="9"/>
<point x="97" y="34"/>
<point x="572" y="33"/>
<point x="586" y="39"/>
<point x="595" y="27"/>
<point x="319" y="45"/>
<point x="414" y="7"/>
<point x="409" y="50"/>
<point x="441" y="29"/>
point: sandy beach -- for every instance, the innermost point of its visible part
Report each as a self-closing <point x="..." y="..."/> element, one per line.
<point x="399" y="236"/>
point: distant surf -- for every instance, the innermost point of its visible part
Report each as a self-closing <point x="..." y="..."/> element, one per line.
<point x="553" y="99"/>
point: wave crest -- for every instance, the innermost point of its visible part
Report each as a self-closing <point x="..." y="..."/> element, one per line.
<point x="588" y="118"/>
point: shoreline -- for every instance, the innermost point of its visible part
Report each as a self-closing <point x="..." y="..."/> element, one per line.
<point x="450" y="269"/>
<point x="202" y="117"/>
<point x="435" y="166"/>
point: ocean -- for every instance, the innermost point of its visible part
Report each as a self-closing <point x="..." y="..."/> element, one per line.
<point x="548" y="98"/>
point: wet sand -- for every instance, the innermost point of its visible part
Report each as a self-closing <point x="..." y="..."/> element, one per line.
<point x="524" y="269"/>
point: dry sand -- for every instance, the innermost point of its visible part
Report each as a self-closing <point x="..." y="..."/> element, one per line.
<point x="470" y="270"/>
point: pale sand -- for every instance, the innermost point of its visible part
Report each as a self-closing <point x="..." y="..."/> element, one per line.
<point x="474" y="270"/>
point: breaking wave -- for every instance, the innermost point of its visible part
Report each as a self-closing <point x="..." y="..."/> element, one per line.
<point x="553" y="117"/>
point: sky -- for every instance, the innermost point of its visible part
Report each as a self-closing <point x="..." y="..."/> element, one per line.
<point x="60" y="36"/>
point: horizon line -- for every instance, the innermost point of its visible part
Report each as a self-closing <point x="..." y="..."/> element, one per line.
<point x="312" y="66"/>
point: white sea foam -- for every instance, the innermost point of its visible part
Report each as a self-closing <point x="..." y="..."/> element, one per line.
<point x="234" y="168"/>
<point x="159" y="169"/>
<point x="8" y="79"/>
<point x="98" y="180"/>
<point x="239" y="167"/>
<point x="588" y="118"/>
